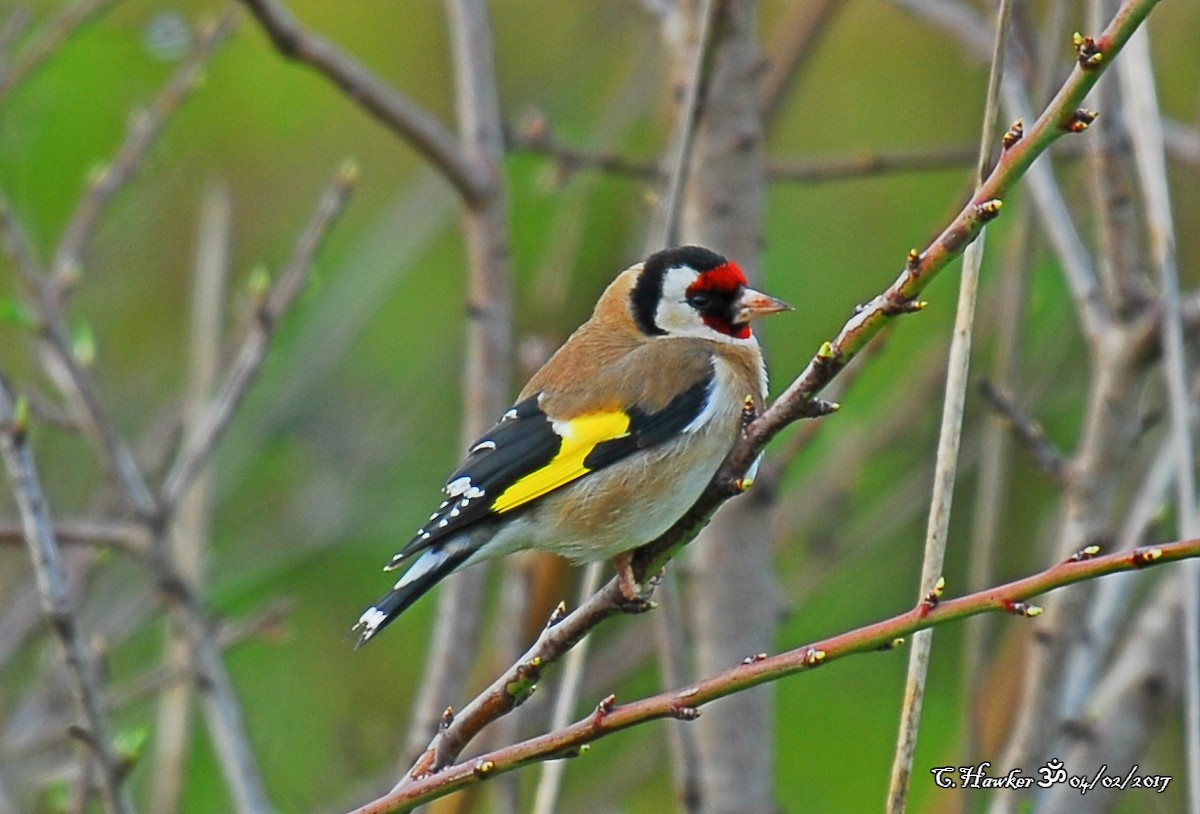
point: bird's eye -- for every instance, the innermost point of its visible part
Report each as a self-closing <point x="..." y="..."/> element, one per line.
<point x="699" y="300"/>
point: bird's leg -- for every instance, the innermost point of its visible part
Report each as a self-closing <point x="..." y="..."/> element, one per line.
<point x="635" y="595"/>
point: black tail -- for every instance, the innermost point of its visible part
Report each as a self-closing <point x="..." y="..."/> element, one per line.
<point x="428" y="570"/>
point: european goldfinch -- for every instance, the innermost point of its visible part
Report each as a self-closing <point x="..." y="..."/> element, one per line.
<point x="613" y="439"/>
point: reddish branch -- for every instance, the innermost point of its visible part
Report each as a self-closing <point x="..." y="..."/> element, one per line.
<point x="684" y="703"/>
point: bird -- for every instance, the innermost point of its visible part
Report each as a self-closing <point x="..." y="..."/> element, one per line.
<point x="613" y="439"/>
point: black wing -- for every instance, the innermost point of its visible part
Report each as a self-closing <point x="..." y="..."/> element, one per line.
<point x="524" y="442"/>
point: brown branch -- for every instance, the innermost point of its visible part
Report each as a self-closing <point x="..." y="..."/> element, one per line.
<point x="244" y="369"/>
<point x="144" y="128"/>
<point x="131" y="537"/>
<point x="685" y="702"/>
<point x="1028" y="432"/>
<point x="534" y="136"/>
<point x="401" y="115"/>
<point x="82" y="675"/>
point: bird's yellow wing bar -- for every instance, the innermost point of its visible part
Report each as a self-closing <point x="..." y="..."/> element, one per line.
<point x="580" y="436"/>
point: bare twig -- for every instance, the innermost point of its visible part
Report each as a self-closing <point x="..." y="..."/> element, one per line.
<point x="1028" y="432"/>
<point x="144" y="128"/>
<point x="243" y="372"/>
<point x="417" y="127"/>
<point x="59" y="30"/>
<point x="684" y="702"/>
<point x="131" y="537"/>
<point x="56" y="602"/>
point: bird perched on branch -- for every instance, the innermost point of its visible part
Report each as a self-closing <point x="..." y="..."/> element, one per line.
<point x="613" y="439"/>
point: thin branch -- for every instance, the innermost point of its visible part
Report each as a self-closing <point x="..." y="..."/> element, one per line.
<point x="416" y="126"/>
<point x="1028" y="432"/>
<point x="131" y="537"/>
<point x="992" y="497"/>
<point x="75" y="380"/>
<point x="59" y="30"/>
<point x="144" y="128"/>
<point x="222" y="710"/>
<point x="685" y="702"/>
<point x="56" y="602"/>
<point x="534" y="135"/>
<point x="244" y="370"/>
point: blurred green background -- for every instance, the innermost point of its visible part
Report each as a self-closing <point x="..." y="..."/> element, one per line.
<point x="342" y="445"/>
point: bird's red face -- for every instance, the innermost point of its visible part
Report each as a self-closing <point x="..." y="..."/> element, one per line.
<point x="711" y="294"/>
<point x="689" y="291"/>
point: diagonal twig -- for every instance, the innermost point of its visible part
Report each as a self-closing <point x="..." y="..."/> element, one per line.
<point x="144" y="128"/>
<point x="400" y="114"/>
<point x="1028" y="432"/>
<point x="244" y="369"/>
<point x="59" y="30"/>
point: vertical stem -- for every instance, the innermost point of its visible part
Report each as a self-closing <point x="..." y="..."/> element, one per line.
<point x="186" y="547"/>
<point x="949" y="439"/>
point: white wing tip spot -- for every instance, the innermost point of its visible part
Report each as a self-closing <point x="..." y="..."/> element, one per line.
<point x="370" y="621"/>
<point x="483" y="446"/>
